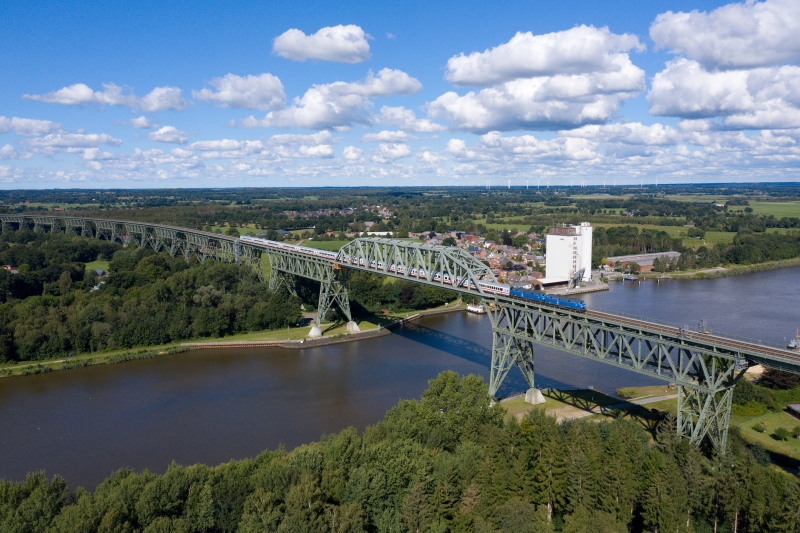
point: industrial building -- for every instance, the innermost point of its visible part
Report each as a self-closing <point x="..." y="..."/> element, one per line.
<point x="569" y="249"/>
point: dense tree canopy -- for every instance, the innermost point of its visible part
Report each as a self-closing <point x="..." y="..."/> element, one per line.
<point x="450" y="462"/>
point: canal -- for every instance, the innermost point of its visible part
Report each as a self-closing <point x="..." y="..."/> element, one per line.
<point x="214" y="405"/>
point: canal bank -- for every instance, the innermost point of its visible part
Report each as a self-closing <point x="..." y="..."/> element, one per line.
<point x="334" y="335"/>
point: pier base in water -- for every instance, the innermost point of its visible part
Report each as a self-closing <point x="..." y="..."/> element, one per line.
<point x="534" y="397"/>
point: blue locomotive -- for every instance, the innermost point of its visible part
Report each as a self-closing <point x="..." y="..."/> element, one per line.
<point x="549" y="299"/>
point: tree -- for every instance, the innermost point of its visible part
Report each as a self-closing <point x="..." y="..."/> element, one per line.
<point x="782" y="434"/>
<point x="779" y="380"/>
<point x="632" y="268"/>
<point x="449" y="241"/>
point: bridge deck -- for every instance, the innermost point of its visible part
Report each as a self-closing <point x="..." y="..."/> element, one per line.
<point x="770" y="354"/>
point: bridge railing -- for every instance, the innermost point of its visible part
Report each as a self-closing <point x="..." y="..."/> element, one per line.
<point x="715" y="332"/>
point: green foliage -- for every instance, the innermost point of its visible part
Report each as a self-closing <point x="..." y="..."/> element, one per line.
<point x="449" y="462"/>
<point x="370" y="292"/>
<point x="779" y="380"/>
<point x="761" y="427"/>
<point x="782" y="434"/>
<point x="147" y="299"/>
<point x="750" y="409"/>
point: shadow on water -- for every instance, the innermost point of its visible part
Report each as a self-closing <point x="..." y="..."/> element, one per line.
<point x="474" y="353"/>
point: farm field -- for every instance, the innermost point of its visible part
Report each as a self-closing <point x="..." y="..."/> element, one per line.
<point x="777" y="209"/>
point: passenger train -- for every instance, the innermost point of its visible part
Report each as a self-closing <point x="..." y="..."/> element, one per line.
<point x="485" y="286"/>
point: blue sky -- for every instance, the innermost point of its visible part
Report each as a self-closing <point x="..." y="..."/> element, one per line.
<point x="397" y="93"/>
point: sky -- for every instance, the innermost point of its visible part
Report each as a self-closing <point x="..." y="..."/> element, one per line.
<point x="289" y="94"/>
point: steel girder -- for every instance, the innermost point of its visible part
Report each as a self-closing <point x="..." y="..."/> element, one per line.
<point x="285" y="263"/>
<point x="333" y="292"/>
<point x="278" y="279"/>
<point x="705" y="375"/>
<point x="508" y="349"/>
<point x="702" y="413"/>
<point x="455" y="262"/>
<point x="251" y="257"/>
<point x="79" y="226"/>
<point x="301" y="265"/>
<point x="13" y="219"/>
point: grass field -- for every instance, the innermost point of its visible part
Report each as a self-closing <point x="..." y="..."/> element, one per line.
<point x="777" y="209"/>
<point x="773" y="421"/>
<point x="97" y="265"/>
<point x="710" y="239"/>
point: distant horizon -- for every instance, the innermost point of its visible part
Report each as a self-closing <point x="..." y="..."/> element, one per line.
<point x="595" y="187"/>
<point x="408" y="94"/>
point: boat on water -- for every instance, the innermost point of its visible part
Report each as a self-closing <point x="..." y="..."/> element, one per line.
<point x="476" y="308"/>
<point x="629" y="278"/>
<point x="794" y="344"/>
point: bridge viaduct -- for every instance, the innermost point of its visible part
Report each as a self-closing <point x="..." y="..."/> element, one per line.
<point x="704" y="367"/>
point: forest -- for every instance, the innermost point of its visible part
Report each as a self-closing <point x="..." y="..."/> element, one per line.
<point x="51" y="308"/>
<point x="452" y="461"/>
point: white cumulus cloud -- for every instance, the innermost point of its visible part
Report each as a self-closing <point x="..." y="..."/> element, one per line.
<point x="580" y="50"/>
<point x="406" y="119"/>
<point x="8" y="152"/>
<point x="322" y="137"/>
<point x="559" y="80"/>
<point x="159" y="99"/>
<point x="767" y="97"/>
<point x="263" y="92"/>
<point x="351" y="153"/>
<point x="341" y="44"/>
<point x="319" y="150"/>
<point x="169" y="134"/>
<point x="339" y="104"/>
<point x="27" y="127"/>
<point x="69" y="142"/>
<point x="389" y="152"/>
<point x="387" y="136"/>
<point x="630" y="133"/>
<point x="142" y="123"/>
<point x="740" y="35"/>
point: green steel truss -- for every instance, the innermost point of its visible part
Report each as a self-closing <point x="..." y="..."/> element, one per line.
<point x="705" y="368"/>
<point x="456" y="263"/>
<point x="285" y="263"/>
<point x="705" y="373"/>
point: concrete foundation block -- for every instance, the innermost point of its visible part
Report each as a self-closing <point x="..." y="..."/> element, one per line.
<point x="352" y="327"/>
<point x="534" y="396"/>
<point x="315" y="332"/>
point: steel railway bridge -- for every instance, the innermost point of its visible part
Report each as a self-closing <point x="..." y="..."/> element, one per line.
<point x="704" y="367"/>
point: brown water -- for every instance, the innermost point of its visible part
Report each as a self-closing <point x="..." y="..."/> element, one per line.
<point x="213" y="405"/>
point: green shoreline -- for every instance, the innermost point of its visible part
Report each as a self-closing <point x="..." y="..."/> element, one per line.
<point x="332" y="334"/>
